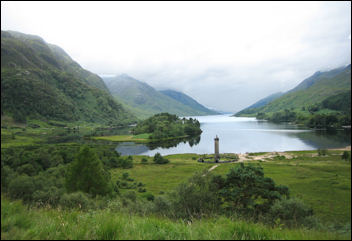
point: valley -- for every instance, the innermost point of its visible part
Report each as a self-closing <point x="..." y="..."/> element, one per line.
<point x="111" y="134"/>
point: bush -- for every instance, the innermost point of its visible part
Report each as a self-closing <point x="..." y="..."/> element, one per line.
<point x="141" y="189"/>
<point x="22" y="187"/>
<point x="51" y="196"/>
<point x="144" y="161"/>
<point x="125" y="175"/>
<point x="158" y="159"/>
<point x="322" y="152"/>
<point x="246" y="190"/>
<point x="346" y="156"/>
<point x="291" y="212"/>
<point x="195" y="198"/>
<point x="131" y="195"/>
<point x="76" y="200"/>
<point x="162" y="205"/>
<point x="149" y="197"/>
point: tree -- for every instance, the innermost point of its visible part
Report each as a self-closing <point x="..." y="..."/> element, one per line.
<point x="22" y="187"/>
<point x="86" y="173"/>
<point x="246" y="189"/>
<point x="158" y="159"/>
<point x="346" y="156"/>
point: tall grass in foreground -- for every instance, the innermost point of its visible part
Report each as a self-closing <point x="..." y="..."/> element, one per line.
<point x="18" y="222"/>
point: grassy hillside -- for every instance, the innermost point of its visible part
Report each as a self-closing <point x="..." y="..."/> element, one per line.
<point x="144" y="99"/>
<point x="40" y="81"/>
<point x="312" y="91"/>
<point x="18" y="222"/>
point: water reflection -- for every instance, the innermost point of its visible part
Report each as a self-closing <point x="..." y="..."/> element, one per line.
<point x="173" y="143"/>
<point x="131" y="148"/>
<point x="239" y="135"/>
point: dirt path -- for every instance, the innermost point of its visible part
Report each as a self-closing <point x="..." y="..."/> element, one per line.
<point x="212" y="168"/>
<point x="347" y="148"/>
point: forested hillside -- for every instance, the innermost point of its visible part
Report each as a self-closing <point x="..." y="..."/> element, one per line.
<point x="40" y="81"/>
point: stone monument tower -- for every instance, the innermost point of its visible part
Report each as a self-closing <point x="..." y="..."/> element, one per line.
<point x="217" y="155"/>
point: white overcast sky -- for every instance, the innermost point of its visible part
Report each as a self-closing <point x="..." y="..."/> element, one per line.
<point x="226" y="55"/>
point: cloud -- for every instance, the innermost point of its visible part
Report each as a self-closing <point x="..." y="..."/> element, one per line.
<point x="226" y="55"/>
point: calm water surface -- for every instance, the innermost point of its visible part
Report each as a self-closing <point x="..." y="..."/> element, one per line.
<point x="243" y="134"/>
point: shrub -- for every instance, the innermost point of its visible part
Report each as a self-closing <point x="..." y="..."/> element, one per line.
<point x="195" y="198"/>
<point x="125" y="175"/>
<point x="50" y="196"/>
<point x="291" y="212"/>
<point x="247" y="191"/>
<point x="346" y="156"/>
<point x="22" y="187"/>
<point x="131" y="195"/>
<point x="144" y="161"/>
<point x="322" y="152"/>
<point x="162" y="205"/>
<point x="76" y="200"/>
<point x="158" y="159"/>
<point x="141" y="189"/>
<point x="149" y="197"/>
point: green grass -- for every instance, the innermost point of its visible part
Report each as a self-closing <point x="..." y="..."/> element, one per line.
<point x="162" y="177"/>
<point x="142" y="138"/>
<point x="18" y="222"/>
<point x="324" y="183"/>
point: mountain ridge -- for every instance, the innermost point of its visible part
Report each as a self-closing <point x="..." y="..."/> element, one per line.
<point x="41" y="81"/>
<point x="311" y="91"/>
<point x="144" y="99"/>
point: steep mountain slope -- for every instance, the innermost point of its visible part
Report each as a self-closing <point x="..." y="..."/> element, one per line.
<point x="311" y="91"/>
<point x="251" y="109"/>
<point x="39" y="80"/>
<point x="144" y="99"/>
<point x="187" y="100"/>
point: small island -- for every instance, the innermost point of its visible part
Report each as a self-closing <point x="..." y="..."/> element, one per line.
<point x="167" y="126"/>
<point x="163" y="126"/>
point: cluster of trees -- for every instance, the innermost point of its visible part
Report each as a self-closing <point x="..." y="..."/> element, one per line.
<point x="244" y="192"/>
<point x="165" y="125"/>
<point x="42" y="175"/>
<point x="332" y="120"/>
<point x="82" y="180"/>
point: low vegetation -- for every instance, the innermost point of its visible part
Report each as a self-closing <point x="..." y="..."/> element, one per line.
<point x="150" y="190"/>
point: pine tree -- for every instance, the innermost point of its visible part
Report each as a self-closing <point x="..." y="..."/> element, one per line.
<point x="86" y="173"/>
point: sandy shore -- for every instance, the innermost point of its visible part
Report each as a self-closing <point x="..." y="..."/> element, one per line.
<point x="271" y="155"/>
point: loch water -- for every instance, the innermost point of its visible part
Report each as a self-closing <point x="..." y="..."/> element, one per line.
<point x="243" y="134"/>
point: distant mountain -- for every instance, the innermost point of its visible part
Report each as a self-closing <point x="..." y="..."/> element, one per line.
<point x="144" y="100"/>
<point x="262" y="102"/>
<point x="40" y="81"/>
<point x="314" y="90"/>
<point x="187" y="100"/>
